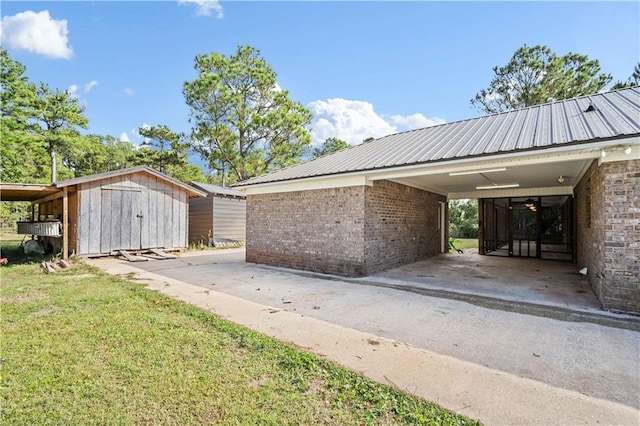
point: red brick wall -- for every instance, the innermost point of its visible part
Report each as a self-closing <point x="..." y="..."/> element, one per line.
<point x="350" y="231"/>
<point x="610" y="244"/>
<point x="320" y="230"/>
<point x="590" y="231"/>
<point x="401" y="225"/>
<point x="622" y="235"/>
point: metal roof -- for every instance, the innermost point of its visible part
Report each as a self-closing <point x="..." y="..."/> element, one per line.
<point x="192" y="192"/>
<point x="218" y="190"/>
<point x="614" y="115"/>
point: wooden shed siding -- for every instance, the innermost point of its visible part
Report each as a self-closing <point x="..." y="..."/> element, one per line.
<point x="108" y="214"/>
<point x="73" y="222"/>
<point x="229" y="218"/>
<point x="93" y="221"/>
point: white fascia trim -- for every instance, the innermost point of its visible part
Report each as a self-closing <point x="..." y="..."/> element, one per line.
<point x="308" y="184"/>
<point x="584" y="151"/>
<point x="515" y="192"/>
<point x="619" y="155"/>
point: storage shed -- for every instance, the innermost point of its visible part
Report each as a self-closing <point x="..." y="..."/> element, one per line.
<point x="221" y="216"/>
<point x="137" y="208"/>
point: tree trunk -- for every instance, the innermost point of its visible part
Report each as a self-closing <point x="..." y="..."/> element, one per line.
<point x="53" y="163"/>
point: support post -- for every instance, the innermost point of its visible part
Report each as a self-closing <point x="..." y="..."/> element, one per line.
<point x="481" y="225"/>
<point x="65" y="223"/>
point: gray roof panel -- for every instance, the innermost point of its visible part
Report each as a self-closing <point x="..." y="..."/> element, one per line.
<point x="217" y="190"/>
<point x="617" y="115"/>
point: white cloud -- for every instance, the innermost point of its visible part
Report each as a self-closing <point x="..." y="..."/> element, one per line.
<point x="415" y="121"/>
<point x="128" y="91"/>
<point x="73" y="90"/>
<point x="124" y="137"/>
<point x="37" y="33"/>
<point x="135" y="138"/>
<point x="90" y="85"/>
<point x="205" y="7"/>
<point x="354" y="121"/>
<point x="351" y="121"/>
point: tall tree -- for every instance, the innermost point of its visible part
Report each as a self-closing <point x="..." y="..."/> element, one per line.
<point x="463" y="218"/>
<point x="243" y="123"/>
<point x="634" y="80"/>
<point x="21" y="159"/>
<point x="35" y="117"/>
<point x="57" y="118"/>
<point x="328" y="146"/>
<point x="165" y="151"/>
<point x="87" y="155"/>
<point x="536" y="75"/>
<point x="119" y="153"/>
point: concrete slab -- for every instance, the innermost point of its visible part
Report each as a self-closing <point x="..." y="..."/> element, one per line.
<point x="500" y="367"/>
<point x="545" y="282"/>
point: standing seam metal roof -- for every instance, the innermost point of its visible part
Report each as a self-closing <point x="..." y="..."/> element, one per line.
<point x="616" y="115"/>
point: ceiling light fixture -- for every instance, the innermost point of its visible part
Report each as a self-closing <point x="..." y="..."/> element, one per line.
<point x="475" y="172"/>
<point x="628" y="150"/>
<point x="560" y="179"/>
<point x="507" y="185"/>
<point x="603" y="153"/>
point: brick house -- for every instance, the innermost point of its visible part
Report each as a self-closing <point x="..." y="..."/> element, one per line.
<point x="554" y="181"/>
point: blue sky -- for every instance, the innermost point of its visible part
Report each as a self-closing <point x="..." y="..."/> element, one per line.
<point x="363" y="68"/>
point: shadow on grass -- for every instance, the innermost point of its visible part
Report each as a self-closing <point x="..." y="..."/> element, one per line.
<point x="13" y="251"/>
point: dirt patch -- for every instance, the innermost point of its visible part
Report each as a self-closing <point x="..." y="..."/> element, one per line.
<point x="259" y="382"/>
<point x="24" y="298"/>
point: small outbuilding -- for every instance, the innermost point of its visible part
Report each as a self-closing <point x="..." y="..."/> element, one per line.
<point x="134" y="209"/>
<point x="221" y="216"/>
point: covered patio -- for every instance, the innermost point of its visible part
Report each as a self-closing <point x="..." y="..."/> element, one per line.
<point x="526" y="281"/>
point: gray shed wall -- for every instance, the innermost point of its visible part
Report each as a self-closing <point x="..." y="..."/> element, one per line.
<point x="217" y="217"/>
<point x="230" y="218"/>
<point x="108" y="213"/>
<point x="200" y="220"/>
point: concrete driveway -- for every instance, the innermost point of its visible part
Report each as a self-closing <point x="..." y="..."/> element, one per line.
<point x="581" y="366"/>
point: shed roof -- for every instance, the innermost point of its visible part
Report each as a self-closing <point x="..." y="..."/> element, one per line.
<point x="218" y="190"/>
<point x="25" y="191"/>
<point x="192" y="192"/>
<point x="615" y="115"/>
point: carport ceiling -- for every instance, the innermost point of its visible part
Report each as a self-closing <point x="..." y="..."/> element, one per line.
<point x="526" y="176"/>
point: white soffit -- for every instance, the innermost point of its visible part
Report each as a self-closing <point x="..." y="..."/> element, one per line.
<point x="515" y="192"/>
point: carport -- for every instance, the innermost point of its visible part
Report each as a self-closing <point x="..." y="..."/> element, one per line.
<point x="554" y="181"/>
<point x="476" y="278"/>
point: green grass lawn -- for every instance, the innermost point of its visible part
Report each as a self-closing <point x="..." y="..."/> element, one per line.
<point x="466" y="243"/>
<point x="83" y="347"/>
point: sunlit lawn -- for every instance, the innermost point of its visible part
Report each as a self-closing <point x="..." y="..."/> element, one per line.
<point x="466" y="243"/>
<point x="82" y="347"/>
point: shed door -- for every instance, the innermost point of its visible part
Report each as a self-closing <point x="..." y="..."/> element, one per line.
<point x="121" y="220"/>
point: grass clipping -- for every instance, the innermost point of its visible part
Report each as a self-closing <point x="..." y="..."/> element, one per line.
<point x="82" y="347"/>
